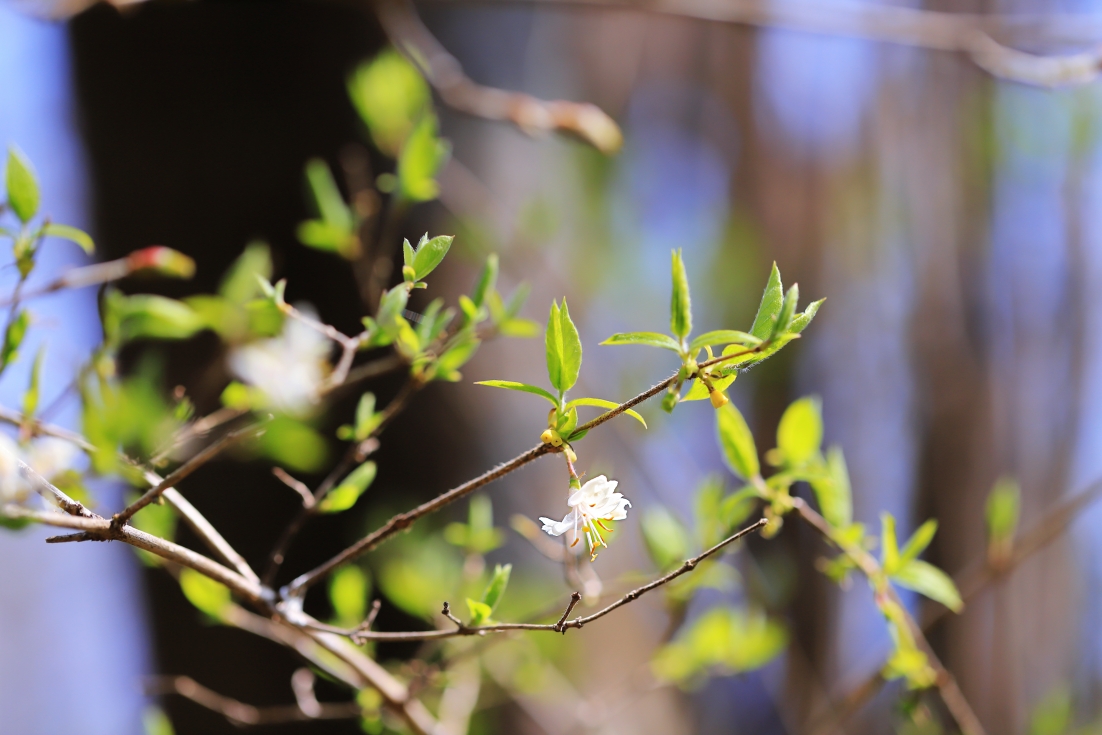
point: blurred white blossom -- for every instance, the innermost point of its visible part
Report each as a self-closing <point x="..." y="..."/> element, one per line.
<point x="288" y="369"/>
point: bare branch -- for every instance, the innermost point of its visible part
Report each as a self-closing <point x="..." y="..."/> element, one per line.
<point x="583" y="120"/>
<point x="297" y="485"/>
<point x="48" y="491"/>
<point x="181" y="472"/>
<point x="560" y="627"/>
<point x="240" y="713"/>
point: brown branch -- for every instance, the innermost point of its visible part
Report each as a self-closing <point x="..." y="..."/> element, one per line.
<point x="183" y="471"/>
<point x="561" y="626"/>
<point x="969" y="33"/>
<point x="239" y="713"/>
<point x="443" y="71"/>
<point x="48" y="491"/>
<point x="297" y="485"/>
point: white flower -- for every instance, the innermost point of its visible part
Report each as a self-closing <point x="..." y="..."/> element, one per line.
<point x="288" y="369"/>
<point x="48" y="457"/>
<point x="596" y="501"/>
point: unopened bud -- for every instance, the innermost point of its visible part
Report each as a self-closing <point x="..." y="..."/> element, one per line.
<point x="569" y="452"/>
<point x="668" y="402"/>
<point x="718" y="398"/>
<point x="550" y="436"/>
<point x="165" y="261"/>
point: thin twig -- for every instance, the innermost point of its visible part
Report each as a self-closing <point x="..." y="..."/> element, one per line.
<point x="184" y="470"/>
<point x="561" y="626"/>
<point x="48" y="491"/>
<point x="442" y="70"/>
<point x="947" y="686"/>
<point x="239" y="713"/>
<point x="297" y="485"/>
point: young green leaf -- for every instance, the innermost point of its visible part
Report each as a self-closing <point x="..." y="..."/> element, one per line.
<point x="523" y="387"/>
<point x="699" y="390"/>
<point x="650" y="339"/>
<point x="770" y="306"/>
<point x="366" y="418"/>
<point x="390" y="95"/>
<point x="423" y="155"/>
<point x="22" y="186"/>
<point x="788" y="310"/>
<point x="345" y="495"/>
<point x="800" y="321"/>
<point x="889" y="546"/>
<point x="327" y="196"/>
<point x="497" y="586"/>
<point x="666" y="538"/>
<point x="723" y="337"/>
<point x="737" y="442"/>
<point x="928" y="580"/>
<point x="833" y="492"/>
<point x="30" y="398"/>
<point x="455" y="357"/>
<point x="241" y="284"/>
<point x="72" y="234"/>
<point x="480" y="612"/>
<point x="1002" y="511"/>
<point x="429" y="255"/>
<point x="204" y="593"/>
<point x="348" y="590"/>
<point x="13" y="338"/>
<point x="918" y="542"/>
<point x="601" y="403"/>
<point x="486" y="280"/>
<point x="681" y="314"/>
<point x="800" y="432"/>
<point x="564" y="348"/>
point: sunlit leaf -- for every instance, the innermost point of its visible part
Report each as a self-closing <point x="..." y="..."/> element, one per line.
<point x="926" y="579"/>
<point x="348" y="591"/>
<point x="723" y="337"/>
<point x="22" y="186"/>
<point x="564" y="348"/>
<point x="918" y="542"/>
<point x="737" y="442"/>
<point x="240" y="283"/>
<point x="800" y="432"/>
<point x="834" y="493"/>
<point x="666" y="539"/>
<point x="681" y="315"/>
<point x="72" y="234"/>
<point x="294" y="445"/>
<point x="496" y="588"/>
<point x="770" y="306"/>
<point x="345" y="495"/>
<point x="204" y="593"/>
<point x="1002" y="511"/>
<point x="429" y="255"/>
<point x="649" y="339"/>
<point x="523" y="387"/>
<point x="390" y="95"/>
<point x="423" y="155"/>
<point x="601" y="403"/>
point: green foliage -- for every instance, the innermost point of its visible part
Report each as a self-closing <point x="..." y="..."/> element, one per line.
<point x="72" y="234"/>
<point x="800" y="432"/>
<point x="1053" y="715"/>
<point x="725" y="640"/>
<point x="477" y="535"/>
<point x="156" y="722"/>
<point x="423" y="261"/>
<point x="390" y="95"/>
<point x="833" y="491"/>
<point x="564" y="348"/>
<point x="367" y="420"/>
<point x="294" y="444"/>
<point x="1002" y="511"/>
<point x="13" y="338"/>
<point x="345" y="495"/>
<point x="208" y="596"/>
<point x="349" y="588"/>
<point x="22" y="186"/>
<point x="335" y="228"/>
<point x="906" y="570"/>
<point x="681" y="316"/>
<point x="771" y="300"/>
<point x="422" y="156"/>
<point x="648" y="339"/>
<point x="481" y="610"/>
<point x="666" y="538"/>
<point x="737" y="442"/>
<point x="147" y="316"/>
<point x="30" y="398"/>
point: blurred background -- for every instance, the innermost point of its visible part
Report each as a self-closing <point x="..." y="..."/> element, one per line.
<point x="949" y="217"/>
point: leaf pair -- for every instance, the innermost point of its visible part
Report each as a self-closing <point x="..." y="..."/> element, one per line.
<point x="423" y="260"/>
<point x="905" y="568"/>
<point x="481" y="610"/>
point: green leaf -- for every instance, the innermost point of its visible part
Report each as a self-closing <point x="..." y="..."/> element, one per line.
<point x="800" y="432"/>
<point x="455" y="357"/>
<point x="834" y="493"/>
<point x="729" y="639"/>
<point x="650" y="339"/>
<point x="30" y="398"/>
<point x="13" y="338"/>
<point x="366" y="418"/>
<point x="737" y="442"/>
<point x="564" y="348"/>
<point x="156" y="722"/>
<point x="681" y="314"/>
<point x="770" y="306"/>
<point x="293" y="445"/>
<point x="601" y="403"/>
<point x="480" y="612"/>
<point x="723" y="337"/>
<point x="22" y="186"/>
<point x="666" y="538"/>
<point x="889" y="546"/>
<point x="497" y="586"/>
<point x="486" y="280"/>
<point x="422" y="157"/>
<point x="1054" y="714"/>
<point x="800" y="321"/>
<point x="147" y="316"/>
<point x="788" y="310"/>
<point x="429" y="254"/>
<point x="72" y="234"/>
<point x="928" y="580"/>
<point x="348" y="590"/>
<point x="524" y="387"/>
<point x="345" y="495"/>
<point x="327" y="196"/>
<point x="390" y="95"/>
<point x="204" y="593"/>
<point x="241" y="284"/>
<point x="918" y="542"/>
<point x="1002" y="511"/>
<point x="699" y="391"/>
